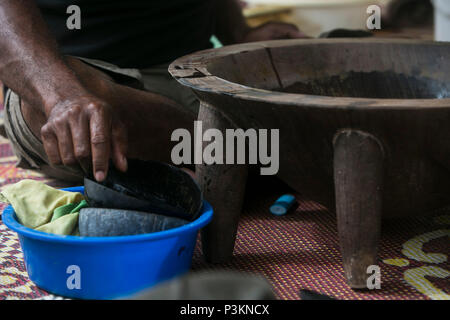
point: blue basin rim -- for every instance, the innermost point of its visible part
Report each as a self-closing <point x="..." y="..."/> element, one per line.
<point x="10" y="220"/>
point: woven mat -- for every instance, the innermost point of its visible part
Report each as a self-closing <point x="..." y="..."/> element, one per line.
<point x="297" y="251"/>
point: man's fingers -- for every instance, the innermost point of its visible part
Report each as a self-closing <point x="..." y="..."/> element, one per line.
<point x="283" y="30"/>
<point x="100" y="129"/>
<point x="289" y="26"/>
<point x="296" y="34"/>
<point x="50" y="145"/>
<point x="65" y="145"/>
<point x="79" y="126"/>
<point x="119" y="145"/>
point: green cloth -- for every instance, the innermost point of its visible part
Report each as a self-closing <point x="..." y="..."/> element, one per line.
<point x="68" y="208"/>
<point x="35" y="205"/>
<point x="65" y="219"/>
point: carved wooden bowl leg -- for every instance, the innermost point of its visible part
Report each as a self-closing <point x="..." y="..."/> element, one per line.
<point x="224" y="187"/>
<point x="358" y="174"/>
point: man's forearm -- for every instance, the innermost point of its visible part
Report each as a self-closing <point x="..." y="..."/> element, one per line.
<point x="231" y="26"/>
<point x="30" y="63"/>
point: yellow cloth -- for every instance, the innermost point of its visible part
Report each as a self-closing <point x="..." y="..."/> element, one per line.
<point x="64" y="225"/>
<point x="34" y="203"/>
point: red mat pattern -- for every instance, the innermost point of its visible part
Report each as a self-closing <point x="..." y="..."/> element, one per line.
<point x="297" y="251"/>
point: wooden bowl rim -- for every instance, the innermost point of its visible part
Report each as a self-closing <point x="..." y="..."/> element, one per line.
<point x="192" y="71"/>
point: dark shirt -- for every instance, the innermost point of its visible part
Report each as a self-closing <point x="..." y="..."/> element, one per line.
<point x="132" y="33"/>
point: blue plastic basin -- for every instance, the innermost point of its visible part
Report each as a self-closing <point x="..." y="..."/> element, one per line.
<point x="108" y="267"/>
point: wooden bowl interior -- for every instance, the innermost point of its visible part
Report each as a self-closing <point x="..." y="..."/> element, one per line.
<point x="360" y="70"/>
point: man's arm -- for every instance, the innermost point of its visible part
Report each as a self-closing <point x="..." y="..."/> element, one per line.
<point x="79" y="124"/>
<point x="231" y="26"/>
<point x="29" y="60"/>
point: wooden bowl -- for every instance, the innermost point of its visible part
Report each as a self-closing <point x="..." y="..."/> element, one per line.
<point x="364" y="130"/>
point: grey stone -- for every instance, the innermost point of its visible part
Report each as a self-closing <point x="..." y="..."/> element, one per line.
<point x="104" y="222"/>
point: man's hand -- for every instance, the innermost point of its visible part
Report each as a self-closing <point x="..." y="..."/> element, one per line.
<point x="232" y="27"/>
<point x="273" y="31"/>
<point x="82" y="129"/>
